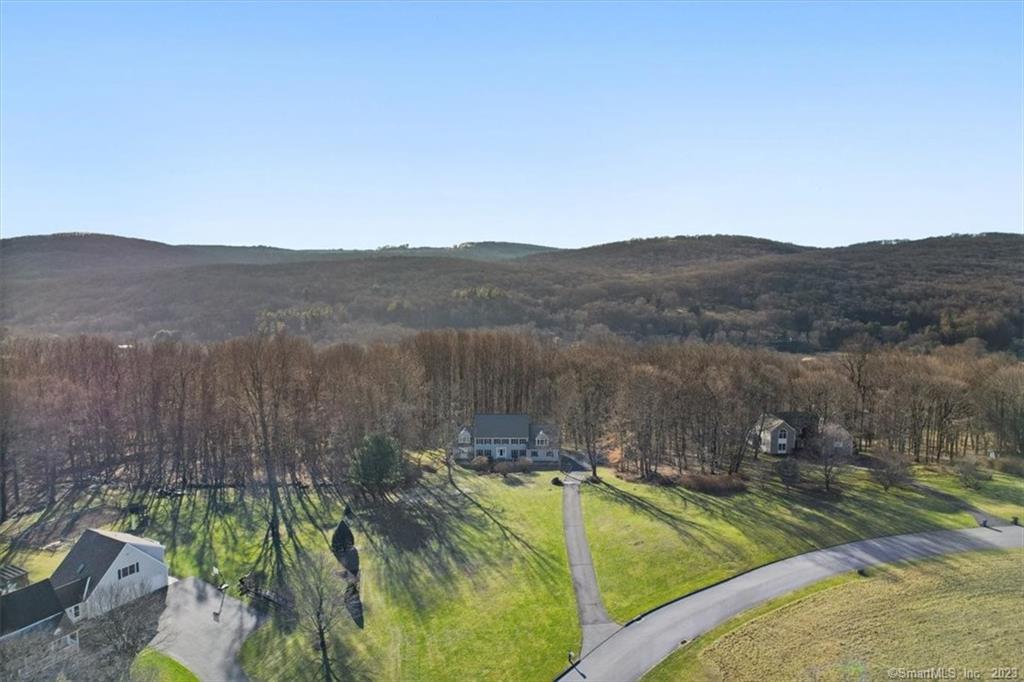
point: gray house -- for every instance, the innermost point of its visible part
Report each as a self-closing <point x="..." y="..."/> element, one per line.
<point x="507" y="437"/>
<point x="784" y="432"/>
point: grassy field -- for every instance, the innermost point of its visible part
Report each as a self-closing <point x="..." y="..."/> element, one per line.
<point x="472" y="582"/>
<point x="454" y="587"/>
<point x="23" y="538"/>
<point x="960" y="612"/>
<point x="1002" y="496"/>
<point x="652" y="544"/>
<point x="152" y="666"/>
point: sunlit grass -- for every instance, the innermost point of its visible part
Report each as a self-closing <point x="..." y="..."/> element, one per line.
<point x="652" y="544"/>
<point x="152" y="666"/>
<point x="957" y="612"/>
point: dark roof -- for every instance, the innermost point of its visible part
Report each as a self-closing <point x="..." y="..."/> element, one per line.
<point x="550" y="430"/>
<point x="501" y="426"/>
<point x="799" y="420"/>
<point x="91" y="556"/>
<point x="28" y="606"/>
<point x="9" y="572"/>
<point x="71" y="593"/>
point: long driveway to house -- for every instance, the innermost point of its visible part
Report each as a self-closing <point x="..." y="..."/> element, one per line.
<point x="207" y="645"/>
<point x="594" y="620"/>
<point x="642" y="644"/>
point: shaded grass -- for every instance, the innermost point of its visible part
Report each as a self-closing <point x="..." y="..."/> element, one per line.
<point x="1003" y="496"/>
<point x="152" y="666"/>
<point x="652" y="544"/>
<point x="454" y="586"/>
<point x="959" y="612"/>
<point x="23" y="537"/>
<point x="466" y="582"/>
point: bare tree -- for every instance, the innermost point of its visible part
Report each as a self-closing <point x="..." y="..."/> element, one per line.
<point x="832" y="451"/>
<point x="319" y="587"/>
<point x="893" y="468"/>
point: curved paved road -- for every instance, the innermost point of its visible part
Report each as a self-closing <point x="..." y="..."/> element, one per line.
<point x="597" y="625"/>
<point x="642" y="644"/>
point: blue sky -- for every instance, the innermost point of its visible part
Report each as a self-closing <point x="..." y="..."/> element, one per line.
<point x="356" y="125"/>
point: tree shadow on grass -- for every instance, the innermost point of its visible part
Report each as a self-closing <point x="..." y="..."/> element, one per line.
<point x="436" y="534"/>
<point x="686" y="529"/>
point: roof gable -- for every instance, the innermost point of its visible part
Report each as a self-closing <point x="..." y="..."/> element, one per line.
<point x="550" y="430"/>
<point x="90" y="558"/>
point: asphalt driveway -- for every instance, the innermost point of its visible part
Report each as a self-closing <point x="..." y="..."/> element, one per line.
<point x="207" y="644"/>
<point x="594" y="619"/>
<point x="642" y="644"/>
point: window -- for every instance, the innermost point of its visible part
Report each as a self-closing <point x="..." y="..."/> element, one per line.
<point x="483" y="441"/>
<point x="128" y="570"/>
<point x="542" y="439"/>
<point x="550" y="454"/>
<point x="76" y="610"/>
<point x="782" y="446"/>
<point x="783" y="434"/>
<point x="464" y="437"/>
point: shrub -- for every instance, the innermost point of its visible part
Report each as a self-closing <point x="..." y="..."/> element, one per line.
<point x="713" y="485"/>
<point x="480" y="463"/>
<point x="788" y="471"/>
<point x="523" y="464"/>
<point x="1011" y="465"/>
<point x="893" y="469"/>
<point x="970" y="474"/>
<point x="503" y="468"/>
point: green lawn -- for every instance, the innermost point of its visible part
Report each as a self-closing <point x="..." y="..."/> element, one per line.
<point x="454" y="586"/>
<point x="152" y="666"/>
<point x="652" y="544"/>
<point x="23" y="538"/>
<point x="960" y="611"/>
<point x="475" y="584"/>
<point x="1002" y="496"/>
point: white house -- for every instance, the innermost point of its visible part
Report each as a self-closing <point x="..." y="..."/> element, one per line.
<point x="776" y="436"/>
<point x="507" y="437"/>
<point x="784" y="432"/>
<point x="103" y="570"/>
<point x="113" y="568"/>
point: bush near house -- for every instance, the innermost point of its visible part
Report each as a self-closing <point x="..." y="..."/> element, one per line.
<point x="712" y="484"/>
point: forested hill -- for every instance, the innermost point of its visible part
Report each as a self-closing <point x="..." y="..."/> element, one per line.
<point x="666" y="253"/>
<point x="739" y="289"/>
<point x="48" y="255"/>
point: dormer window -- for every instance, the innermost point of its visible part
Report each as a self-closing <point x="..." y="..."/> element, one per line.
<point x="542" y="439"/>
<point x="464" y="437"/>
<point x="783" y="435"/>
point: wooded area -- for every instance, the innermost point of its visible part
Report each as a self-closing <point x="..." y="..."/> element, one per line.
<point x="740" y="290"/>
<point x="277" y="410"/>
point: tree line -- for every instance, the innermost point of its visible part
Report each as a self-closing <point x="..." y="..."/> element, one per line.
<point x="272" y="410"/>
